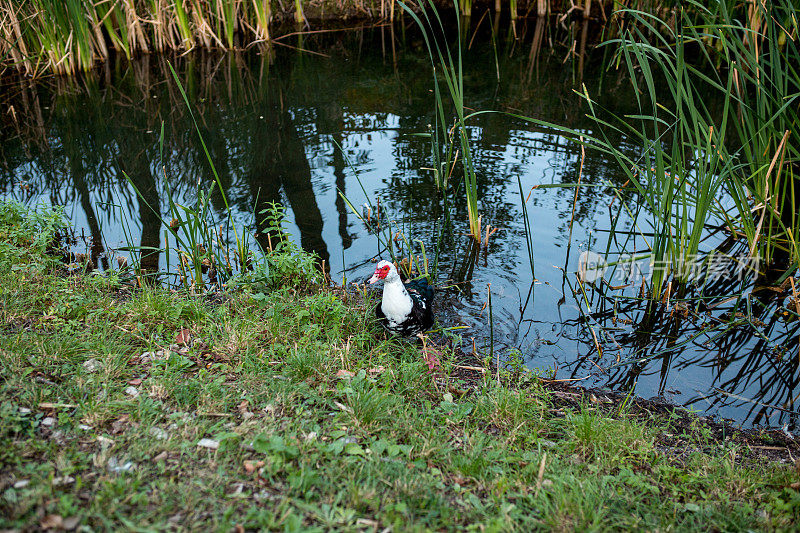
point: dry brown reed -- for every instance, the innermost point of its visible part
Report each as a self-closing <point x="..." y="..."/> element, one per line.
<point x="68" y="36"/>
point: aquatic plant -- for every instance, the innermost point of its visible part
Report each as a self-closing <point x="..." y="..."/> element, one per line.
<point x="699" y="167"/>
<point x="68" y="36"/>
<point x="201" y="245"/>
<point x="756" y="168"/>
<point x="449" y="137"/>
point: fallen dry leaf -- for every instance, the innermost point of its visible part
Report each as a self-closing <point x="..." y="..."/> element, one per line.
<point x="341" y="374"/>
<point x="184" y="337"/>
<point x="252" y="466"/>
<point x="135" y="382"/>
<point x="52" y="521"/>
<point x="455" y="390"/>
<point x="120" y="425"/>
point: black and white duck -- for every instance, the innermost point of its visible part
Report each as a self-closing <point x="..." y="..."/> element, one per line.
<point x="405" y="309"/>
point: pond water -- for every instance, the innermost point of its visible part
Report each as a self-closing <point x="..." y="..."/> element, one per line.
<point x="274" y="122"/>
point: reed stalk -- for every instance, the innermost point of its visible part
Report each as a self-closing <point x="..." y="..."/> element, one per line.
<point x="263" y="15"/>
<point x="450" y="137"/>
<point x="689" y="162"/>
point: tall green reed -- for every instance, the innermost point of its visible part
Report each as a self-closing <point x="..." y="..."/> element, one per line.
<point x="693" y="156"/>
<point x="761" y="49"/>
<point x="695" y="167"/>
<point x="200" y="244"/>
<point x="449" y="136"/>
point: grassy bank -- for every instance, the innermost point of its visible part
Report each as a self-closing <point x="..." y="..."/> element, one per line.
<point x="290" y="410"/>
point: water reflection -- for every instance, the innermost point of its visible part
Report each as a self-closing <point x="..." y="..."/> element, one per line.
<point x="273" y="123"/>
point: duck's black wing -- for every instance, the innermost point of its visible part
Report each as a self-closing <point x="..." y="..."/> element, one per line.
<point x="421" y="316"/>
<point x="421" y="293"/>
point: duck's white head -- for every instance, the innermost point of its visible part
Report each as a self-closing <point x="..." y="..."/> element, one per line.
<point x="384" y="270"/>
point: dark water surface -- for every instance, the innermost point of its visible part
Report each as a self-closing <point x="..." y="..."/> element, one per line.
<point x="273" y="122"/>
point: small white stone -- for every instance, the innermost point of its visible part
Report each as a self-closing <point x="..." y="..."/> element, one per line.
<point x="159" y="433"/>
<point x="92" y="365"/>
<point x="63" y="480"/>
<point x="84" y="427"/>
<point x="24" y="411"/>
<point x="116" y="467"/>
<point x="311" y="436"/>
<point x="22" y="483"/>
<point x="132" y="391"/>
<point x="236" y="491"/>
<point x="211" y="444"/>
<point x="48" y="421"/>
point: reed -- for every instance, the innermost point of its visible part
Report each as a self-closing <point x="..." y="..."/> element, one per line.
<point x="263" y="15"/>
<point x="203" y="250"/>
<point x="749" y="150"/>
<point x="449" y="136"/>
<point x="699" y="168"/>
<point x="69" y="36"/>
<point x="299" y="15"/>
<point x="764" y="55"/>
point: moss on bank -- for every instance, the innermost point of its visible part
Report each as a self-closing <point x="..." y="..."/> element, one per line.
<point x="125" y="408"/>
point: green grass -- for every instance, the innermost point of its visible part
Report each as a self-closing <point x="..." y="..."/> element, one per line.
<point x="300" y="448"/>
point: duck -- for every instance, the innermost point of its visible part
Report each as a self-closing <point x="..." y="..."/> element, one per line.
<point x="405" y="309"/>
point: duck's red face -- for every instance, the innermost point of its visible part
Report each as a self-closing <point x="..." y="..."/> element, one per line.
<point x="381" y="272"/>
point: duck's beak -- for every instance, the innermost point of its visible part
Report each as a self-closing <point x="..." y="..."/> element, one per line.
<point x="374" y="278"/>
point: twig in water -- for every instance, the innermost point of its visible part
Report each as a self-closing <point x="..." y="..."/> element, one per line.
<point x="491" y="332"/>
